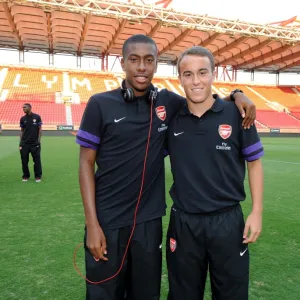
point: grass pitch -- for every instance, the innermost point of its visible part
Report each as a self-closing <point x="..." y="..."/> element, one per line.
<point x="41" y="224"/>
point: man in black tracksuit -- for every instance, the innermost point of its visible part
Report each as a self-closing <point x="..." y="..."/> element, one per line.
<point x="30" y="142"/>
<point x="208" y="147"/>
<point x="113" y="135"/>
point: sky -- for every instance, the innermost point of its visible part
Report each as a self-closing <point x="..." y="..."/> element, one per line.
<point x="253" y="11"/>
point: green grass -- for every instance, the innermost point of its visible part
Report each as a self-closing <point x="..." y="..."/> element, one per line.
<point x="41" y="224"/>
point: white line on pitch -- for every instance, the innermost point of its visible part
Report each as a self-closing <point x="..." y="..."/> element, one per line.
<point x="283" y="162"/>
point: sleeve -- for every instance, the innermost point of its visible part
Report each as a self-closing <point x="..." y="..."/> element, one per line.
<point x="91" y="126"/>
<point x="178" y="101"/>
<point x="252" y="148"/>
<point x="40" y="123"/>
<point x="22" y="125"/>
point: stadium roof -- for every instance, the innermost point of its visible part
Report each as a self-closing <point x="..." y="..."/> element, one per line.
<point x="99" y="28"/>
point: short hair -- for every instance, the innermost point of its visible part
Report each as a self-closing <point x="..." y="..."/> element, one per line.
<point x="137" y="38"/>
<point x="27" y="104"/>
<point x="197" y="51"/>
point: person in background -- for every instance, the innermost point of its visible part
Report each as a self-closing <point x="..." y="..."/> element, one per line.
<point x="30" y="142"/>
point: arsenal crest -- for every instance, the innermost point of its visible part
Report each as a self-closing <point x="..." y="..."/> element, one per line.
<point x="173" y="244"/>
<point x="161" y="112"/>
<point x="225" y="131"/>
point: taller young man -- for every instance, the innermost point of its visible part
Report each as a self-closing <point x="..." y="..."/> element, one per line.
<point x="113" y="134"/>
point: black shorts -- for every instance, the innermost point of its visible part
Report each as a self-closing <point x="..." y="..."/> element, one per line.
<point x="140" y="277"/>
<point x="196" y="243"/>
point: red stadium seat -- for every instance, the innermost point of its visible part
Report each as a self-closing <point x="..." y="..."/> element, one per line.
<point x="51" y="113"/>
<point x="44" y="87"/>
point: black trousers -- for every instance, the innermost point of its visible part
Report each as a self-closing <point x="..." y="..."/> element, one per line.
<point x="196" y="243"/>
<point x="35" y="151"/>
<point x="140" y="277"/>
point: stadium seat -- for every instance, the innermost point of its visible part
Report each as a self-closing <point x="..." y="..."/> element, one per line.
<point x="51" y="113"/>
<point x="77" y="112"/>
<point x="43" y="87"/>
<point x="285" y="96"/>
<point x="226" y="88"/>
<point x="24" y="84"/>
<point x="274" y="119"/>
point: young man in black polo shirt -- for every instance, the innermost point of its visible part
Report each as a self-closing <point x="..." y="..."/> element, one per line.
<point x="114" y="134"/>
<point x="30" y="142"/>
<point x="208" y="147"/>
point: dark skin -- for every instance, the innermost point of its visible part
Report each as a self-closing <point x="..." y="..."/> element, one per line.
<point x="96" y="241"/>
<point x="246" y="107"/>
<point x="140" y="65"/>
<point x="28" y="112"/>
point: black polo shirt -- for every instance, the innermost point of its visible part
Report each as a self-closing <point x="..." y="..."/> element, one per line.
<point x="31" y="124"/>
<point x="208" y="157"/>
<point x="119" y="132"/>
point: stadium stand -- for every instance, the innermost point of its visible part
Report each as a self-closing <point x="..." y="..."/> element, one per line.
<point x="274" y="119"/>
<point x="225" y="89"/>
<point x="52" y="113"/>
<point x="285" y="96"/>
<point x="296" y="114"/>
<point x="27" y="84"/>
<point x="60" y="96"/>
<point x="276" y="106"/>
<point x="77" y="112"/>
<point x="88" y="84"/>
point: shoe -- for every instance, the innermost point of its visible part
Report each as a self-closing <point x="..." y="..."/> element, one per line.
<point x="25" y="179"/>
<point x="38" y="180"/>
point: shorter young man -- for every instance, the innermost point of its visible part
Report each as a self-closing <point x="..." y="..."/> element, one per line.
<point x="208" y="147"/>
<point x="30" y="142"/>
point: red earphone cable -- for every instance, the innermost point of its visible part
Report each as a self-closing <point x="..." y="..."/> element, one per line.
<point x="135" y="214"/>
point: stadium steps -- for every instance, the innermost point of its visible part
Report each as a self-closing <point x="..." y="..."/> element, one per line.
<point x="69" y="118"/>
<point x="281" y="97"/>
<point x="295" y="115"/>
<point x="267" y="102"/>
<point x="259" y="124"/>
<point x="77" y="112"/>
<point x="274" y="119"/>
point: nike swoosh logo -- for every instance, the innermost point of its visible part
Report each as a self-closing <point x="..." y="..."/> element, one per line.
<point x="175" y="134"/>
<point x="242" y="253"/>
<point x="118" y="120"/>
